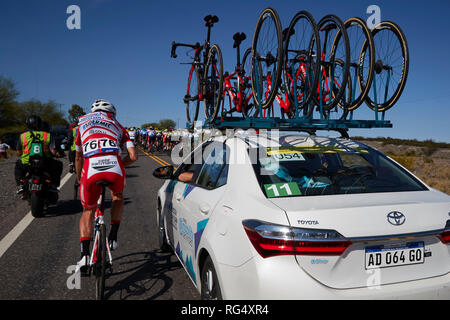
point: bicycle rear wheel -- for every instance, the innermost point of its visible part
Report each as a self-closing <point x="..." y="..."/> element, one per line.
<point x="192" y="97"/>
<point x="301" y="60"/>
<point x="362" y="57"/>
<point x="213" y="83"/>
<point x="391" y="65"/>
<point x="249" y="108"/>
<point x="332" y="81"/>
<point x="100" y="265"/>
<point x="267" y="55"/>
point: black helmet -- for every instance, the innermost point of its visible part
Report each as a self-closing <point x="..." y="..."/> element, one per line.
<point x="34" y="122"/>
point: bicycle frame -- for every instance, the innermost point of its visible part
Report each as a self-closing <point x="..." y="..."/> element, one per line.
<point x="99" y="220"/>
<point x="238" y="100"/>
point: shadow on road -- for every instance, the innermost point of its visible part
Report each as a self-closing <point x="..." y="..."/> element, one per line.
<point x="146" y="275"/>
<point x="64" y="208"/>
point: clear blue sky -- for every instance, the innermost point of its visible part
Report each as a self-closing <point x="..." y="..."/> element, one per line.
<point x="122" y="53"/>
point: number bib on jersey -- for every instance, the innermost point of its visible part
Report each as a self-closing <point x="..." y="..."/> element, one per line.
<point x="97" y="146"/>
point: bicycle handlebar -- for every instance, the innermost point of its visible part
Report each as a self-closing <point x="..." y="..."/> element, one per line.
<point x="175" y="45"/>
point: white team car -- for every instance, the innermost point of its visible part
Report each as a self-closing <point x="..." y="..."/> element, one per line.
<point x="304" y="217"/>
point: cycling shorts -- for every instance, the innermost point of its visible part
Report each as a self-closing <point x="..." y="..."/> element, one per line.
<point x="103" y="167"/>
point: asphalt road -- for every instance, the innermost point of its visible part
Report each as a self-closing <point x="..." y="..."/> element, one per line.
<point x="38" y="263"/>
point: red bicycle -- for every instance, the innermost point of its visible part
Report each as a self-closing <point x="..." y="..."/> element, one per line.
<point x="205" y="78"/>
<point x="237" y="87"/>
<point x="315" y="73"/>
<point x="299" y="62"/>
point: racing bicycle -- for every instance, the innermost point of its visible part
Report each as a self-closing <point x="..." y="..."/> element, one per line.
<point x="101" y="259"/>
<point x="239" y="92"/>
<point x="205" y="78"/>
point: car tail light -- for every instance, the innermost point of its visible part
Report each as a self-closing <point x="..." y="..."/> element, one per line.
<point x="271" y="240"/>
<point x="35" y="181"/>
<point x="445" y="236"/>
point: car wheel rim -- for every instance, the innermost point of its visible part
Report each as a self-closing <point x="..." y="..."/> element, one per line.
<point x="209" y="286"/>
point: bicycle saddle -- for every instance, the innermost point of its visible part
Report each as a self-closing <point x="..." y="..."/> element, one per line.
<point x="329" y="27"/>
<point x="285" y="33"/>
<point x="103" y="183"/>
<point x="210" y="20"/>
<point x="238" y="37"/>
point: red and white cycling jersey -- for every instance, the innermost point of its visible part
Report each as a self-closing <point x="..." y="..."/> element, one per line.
<point x="100" y="133"/>
<point x="100" y="138"/>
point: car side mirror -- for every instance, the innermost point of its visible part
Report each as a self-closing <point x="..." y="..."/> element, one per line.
<point x="163" y="172"/>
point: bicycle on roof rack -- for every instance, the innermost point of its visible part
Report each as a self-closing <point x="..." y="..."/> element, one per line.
<point x="331" y="68"/>
<point x="239" y="93"/>
<point x="205" y="78"/>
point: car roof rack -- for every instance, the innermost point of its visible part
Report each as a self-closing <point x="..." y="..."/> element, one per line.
<point x="308" y="125"/>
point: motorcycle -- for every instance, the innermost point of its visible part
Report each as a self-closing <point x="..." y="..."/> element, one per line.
<point x="39" y="188"/>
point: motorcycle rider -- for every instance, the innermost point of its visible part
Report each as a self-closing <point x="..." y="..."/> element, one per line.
<point x="53" y="167"/>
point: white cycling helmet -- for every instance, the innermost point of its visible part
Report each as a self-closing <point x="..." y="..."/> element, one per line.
<point x="103" y="105"/>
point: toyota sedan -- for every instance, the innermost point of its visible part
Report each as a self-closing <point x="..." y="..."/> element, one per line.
<point x="303" y="217"/>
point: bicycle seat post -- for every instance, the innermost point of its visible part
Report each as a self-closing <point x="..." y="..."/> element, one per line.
<point x="103" y="185"/>
<point x="209" y="22"/>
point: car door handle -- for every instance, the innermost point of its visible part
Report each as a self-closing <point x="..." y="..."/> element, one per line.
<point x="204" y="208"/>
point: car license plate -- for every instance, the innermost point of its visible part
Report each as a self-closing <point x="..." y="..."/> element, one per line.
<point x="383" y="257"/>
<point x="36" y="187"/>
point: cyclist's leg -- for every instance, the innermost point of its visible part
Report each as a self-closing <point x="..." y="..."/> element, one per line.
<point x="117" y="186"/>
<point x="116" y="218"/>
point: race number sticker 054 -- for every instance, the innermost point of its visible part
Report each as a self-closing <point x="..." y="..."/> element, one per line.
<point x="282" y="190"/>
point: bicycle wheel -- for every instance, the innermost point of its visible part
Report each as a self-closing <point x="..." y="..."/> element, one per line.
<point x="301" y="60"/>
<point x="332" y="80"/>
<point x="391" y="65"/>
<point x="266" y="61"/>
<point x="213" y="83"/>
<point x="249" y="108"/>
<point x="192" y="99"/>
<point x="362" y="57"/>
<point x="100" y="263"/>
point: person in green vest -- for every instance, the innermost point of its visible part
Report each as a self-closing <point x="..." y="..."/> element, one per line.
<point x="71" y="142"/>
<point x="26" y="148"/>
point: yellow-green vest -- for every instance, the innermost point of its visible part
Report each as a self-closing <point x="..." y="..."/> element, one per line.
<point x="26" y="140"/>
<point x="74" y="133"/>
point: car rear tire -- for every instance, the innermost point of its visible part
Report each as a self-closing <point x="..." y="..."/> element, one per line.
<point x="209" y="282"/>
<point x="162" y="239"/>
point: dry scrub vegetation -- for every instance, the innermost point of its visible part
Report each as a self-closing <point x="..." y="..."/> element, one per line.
<point x="431" y="163"/>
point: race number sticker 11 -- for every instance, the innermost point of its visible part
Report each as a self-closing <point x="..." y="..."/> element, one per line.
<point x="282" y="190"/>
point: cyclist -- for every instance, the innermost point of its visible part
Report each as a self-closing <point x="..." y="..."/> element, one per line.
<point x="151" y="136"/>
<point x="132" y="134"/>
<point x="98" y="143"/>
<point x="35" y="133"/>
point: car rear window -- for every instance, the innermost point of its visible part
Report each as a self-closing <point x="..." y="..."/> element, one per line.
<point x="309" y="171"/>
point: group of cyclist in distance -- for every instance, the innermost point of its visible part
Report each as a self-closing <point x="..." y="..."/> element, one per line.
<point x="153" y="139"/>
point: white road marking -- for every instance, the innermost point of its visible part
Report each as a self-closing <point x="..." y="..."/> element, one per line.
<point x="12" y="236"/>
